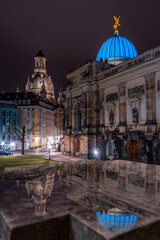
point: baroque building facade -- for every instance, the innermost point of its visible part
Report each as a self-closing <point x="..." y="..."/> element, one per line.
<point x="113" y="104"/>
<point x="33" y="112"/>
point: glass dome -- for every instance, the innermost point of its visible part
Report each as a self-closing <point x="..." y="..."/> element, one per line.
<point x="117" y="49"/>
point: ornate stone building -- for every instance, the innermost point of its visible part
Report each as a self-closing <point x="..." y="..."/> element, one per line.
<point x="113" y="104"/>
<point x="40" y="83"/>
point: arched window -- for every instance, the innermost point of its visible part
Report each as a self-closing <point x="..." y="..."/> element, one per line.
<point x="135" y="115"/>
<point x="110" y="147"/>
<point x="111" y="117"/>
<point x="136" y="151"/>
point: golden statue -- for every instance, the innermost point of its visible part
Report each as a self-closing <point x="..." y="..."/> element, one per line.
<point x="116" y="25"/>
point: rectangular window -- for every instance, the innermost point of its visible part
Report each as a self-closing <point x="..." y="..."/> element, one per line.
<point x="3" y="137"/>
<point x="4" y="113"/>
<point x="3" y="121"/>
<point x="9" y="120"/>
<point x="8" y="138"/>
<point x="3" y="129"/>
<point x="14" y="114"/>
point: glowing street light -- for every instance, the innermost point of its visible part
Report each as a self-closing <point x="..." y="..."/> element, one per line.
<point x="96" y="153"/>
<point x="49" y="148"/>
<point x="12" y="145"/>
<point x="3" y="146"/>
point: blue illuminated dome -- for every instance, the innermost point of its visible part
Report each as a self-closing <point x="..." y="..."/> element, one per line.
<point x="117" y="49"/>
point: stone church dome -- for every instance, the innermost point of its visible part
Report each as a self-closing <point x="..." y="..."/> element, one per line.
<point x="117" y="48"/>
<point x="40" y="83"/>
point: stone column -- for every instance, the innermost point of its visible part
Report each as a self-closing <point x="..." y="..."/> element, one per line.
<point x="150" y="102"/>
<point x="122" y="107"/>
<point x="88" y="106"/>
<point x="70" y="112"/>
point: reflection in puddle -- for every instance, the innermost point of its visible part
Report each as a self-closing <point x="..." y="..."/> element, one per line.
<point x="116" y="220"/>
<point x="40" y="189"/>
<point x="82" y="190"/>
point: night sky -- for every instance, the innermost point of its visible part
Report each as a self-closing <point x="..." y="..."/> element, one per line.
<point x="70" y="32"/>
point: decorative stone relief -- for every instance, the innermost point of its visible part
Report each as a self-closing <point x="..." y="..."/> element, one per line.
<point x="136" y="179"/>
<point x="111" y="117"/>
<point x="112" y="97"/>
<point x="136" y="92"/>
<point x="135" y="115"/>
<point x="112" y="175"/>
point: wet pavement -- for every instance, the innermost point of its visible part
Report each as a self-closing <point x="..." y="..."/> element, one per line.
<point x="81" y="200"/>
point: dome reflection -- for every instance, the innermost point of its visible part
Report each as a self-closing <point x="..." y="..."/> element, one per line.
<point x="116" y="220"/>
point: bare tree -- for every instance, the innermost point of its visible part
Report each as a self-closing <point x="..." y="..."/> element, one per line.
<point x="21" y="132"/>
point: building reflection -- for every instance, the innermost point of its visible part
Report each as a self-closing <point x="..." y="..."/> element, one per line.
<point x="40" y="189"/>
<point x="120" y="193"/>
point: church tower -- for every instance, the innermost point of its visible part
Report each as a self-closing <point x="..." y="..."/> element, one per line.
<point x="40" y="83"/>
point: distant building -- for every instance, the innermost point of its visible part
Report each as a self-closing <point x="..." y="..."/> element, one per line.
<point x="40" y="83"/>
<point x="10" y="116"/>
<point x="113" y="104"/>
<point x="37" y="114"/>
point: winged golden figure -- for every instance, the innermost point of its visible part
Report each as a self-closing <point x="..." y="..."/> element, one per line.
<point x="116" y="25"/>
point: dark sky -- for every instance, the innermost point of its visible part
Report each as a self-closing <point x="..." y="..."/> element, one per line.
<point x="70" y="32"/>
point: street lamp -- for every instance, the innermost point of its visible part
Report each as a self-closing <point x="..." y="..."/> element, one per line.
<point x="49" y="148"/>
<point x="12" y="144"/>
<point x="96" y="153"/>
<point x="2" y="145"/>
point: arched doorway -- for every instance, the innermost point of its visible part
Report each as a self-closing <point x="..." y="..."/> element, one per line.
<point x="110" y="147"/>
<point x="136" y="151"/>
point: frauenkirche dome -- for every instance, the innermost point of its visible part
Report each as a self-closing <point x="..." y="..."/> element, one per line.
<point x="40" y="83"/>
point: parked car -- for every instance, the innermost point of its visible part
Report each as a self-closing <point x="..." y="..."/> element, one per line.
<point x="4" y="153"/>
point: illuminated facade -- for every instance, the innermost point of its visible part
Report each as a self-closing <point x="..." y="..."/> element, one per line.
<point x="10" y="116"/>
<point x="113" y="104"/>
<point x="37" y="115"/>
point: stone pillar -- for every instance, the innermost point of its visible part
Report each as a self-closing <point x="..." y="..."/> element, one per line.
<point x="102" y="116"/>
<point x="150" y="102"/>
<point x="84" y="110"/>
<point x="122" y="107"/>
<point x="70" y="111"/>
<point x="88" y="106"/>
